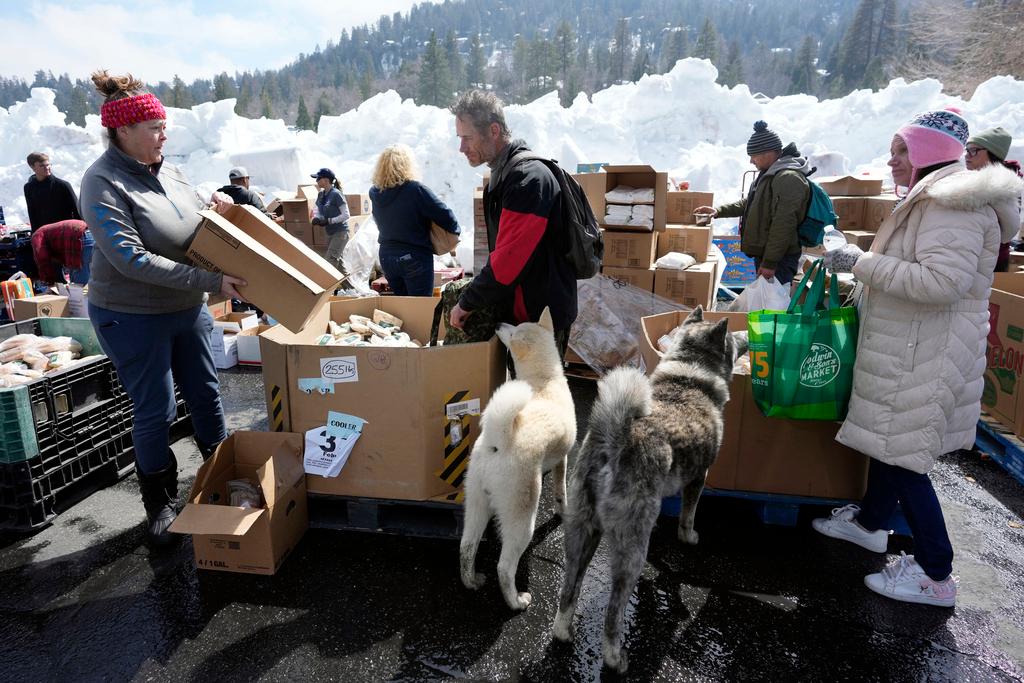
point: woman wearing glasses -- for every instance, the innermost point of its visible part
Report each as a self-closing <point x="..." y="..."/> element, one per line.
<point x="990" y="148"/>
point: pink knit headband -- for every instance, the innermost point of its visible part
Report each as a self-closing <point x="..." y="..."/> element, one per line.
<point x="129" y="110"/>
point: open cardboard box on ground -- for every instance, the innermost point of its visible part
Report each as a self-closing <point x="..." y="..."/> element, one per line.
<point x="404" y="394"/>
<point x="767" y="454"/>
<point x="1004" y="371"/>
<point x="595" y="185"/>
<point x="247" y="540"/>
<point x="285" y="277"/>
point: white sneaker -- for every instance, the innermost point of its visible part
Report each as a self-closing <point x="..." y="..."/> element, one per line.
<point x="904" y="580"/>
<point x="842" y="525"/>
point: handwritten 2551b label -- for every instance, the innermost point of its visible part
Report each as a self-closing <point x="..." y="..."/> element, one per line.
<point x="341" y="369"/>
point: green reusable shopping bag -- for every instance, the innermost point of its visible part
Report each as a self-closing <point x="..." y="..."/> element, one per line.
<point x="801" y="359"/>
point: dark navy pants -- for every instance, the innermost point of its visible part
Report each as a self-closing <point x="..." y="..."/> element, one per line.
<point x="149" y="350"/>
<point x="410" y="272"/>
<point x="889" y="485"/>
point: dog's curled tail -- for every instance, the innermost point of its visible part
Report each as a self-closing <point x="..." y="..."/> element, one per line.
<point x="506" y="403"/>
<point x="623" y="395"/>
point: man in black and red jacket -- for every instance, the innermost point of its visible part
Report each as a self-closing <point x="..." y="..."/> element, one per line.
<point x="526" y="269"/>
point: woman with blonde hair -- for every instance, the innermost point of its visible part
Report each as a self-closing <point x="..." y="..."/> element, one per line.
<point x="403" y="209"/>
<point x="146" y="297"/>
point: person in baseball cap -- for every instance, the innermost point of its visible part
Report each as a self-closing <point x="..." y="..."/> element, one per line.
<point x="324" y="173"/>
<point x="238" y="189"/>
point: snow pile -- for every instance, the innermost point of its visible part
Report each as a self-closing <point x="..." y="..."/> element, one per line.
<point x="682" y="122"/>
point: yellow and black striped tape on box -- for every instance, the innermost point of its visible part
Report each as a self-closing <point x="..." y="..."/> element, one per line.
<point x="456" y="457"/>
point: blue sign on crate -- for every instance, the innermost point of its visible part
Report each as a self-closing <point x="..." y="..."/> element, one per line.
<point x="739" y="268"/>
<point x="591" y="168"/>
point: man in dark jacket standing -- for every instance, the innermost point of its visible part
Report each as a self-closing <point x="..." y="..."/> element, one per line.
<point x="49" y="199"/>
<point x="239" y="190"/>
<point x="526" y="270"/>
<point x="774" y="208"/>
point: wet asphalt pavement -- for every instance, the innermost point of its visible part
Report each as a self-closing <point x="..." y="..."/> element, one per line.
<point x="86" y="600"/>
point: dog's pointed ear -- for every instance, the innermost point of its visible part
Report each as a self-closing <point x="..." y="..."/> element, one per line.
<point x="719" y="332"/>
<point x="545" y="320"/>
<point x="696" y="315"/>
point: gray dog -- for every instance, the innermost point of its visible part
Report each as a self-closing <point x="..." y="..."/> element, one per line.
<point x="647" y="439"/>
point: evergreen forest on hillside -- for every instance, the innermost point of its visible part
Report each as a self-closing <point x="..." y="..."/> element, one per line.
<point x="525" y="48"/>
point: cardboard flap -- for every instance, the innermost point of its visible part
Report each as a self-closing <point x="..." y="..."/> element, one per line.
<point x="216" y="520"/>
<point x="281" y="471"/>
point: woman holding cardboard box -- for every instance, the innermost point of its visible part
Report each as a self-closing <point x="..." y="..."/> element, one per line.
<point x="404" y="209"/>
<point x="146" y="299"/>
<point x="917" y="379"/>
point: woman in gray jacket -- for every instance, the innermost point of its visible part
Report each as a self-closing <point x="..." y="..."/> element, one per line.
<point x="146" y="298"/>
<point x="917" y="381"/>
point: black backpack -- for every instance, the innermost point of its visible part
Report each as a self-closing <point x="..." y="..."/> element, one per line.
<point x="584" y="246"/>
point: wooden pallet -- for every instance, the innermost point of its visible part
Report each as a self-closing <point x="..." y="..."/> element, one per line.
<point x="1001" y="445"/>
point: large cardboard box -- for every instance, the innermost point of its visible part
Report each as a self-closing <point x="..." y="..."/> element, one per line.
<point x="690" y="287"/>
<point x="41" y="306"/>
<point x="862" y="238"/>
<point x="685" y="239"/>
<point x="629" y="249"/>
<point x="877" y="209"/>
<point x="852" y="186"/>
<point x="358" y="204"/>
<point x="248" y="540"/>
<point x="304" y="231"/>
<point x="224" y="346"/>
<point x="1004" y="371"/>
<point x="595" y="185"/>
<point x="768" y="455"/>
<point x="296" y="210"/>
<point x="681" y="206"/>
<point x="404" y="394"/>
<point x="236" y="322"/>
<point x="850" y="211"/>
<point x="285" y="278"/>
<point x="641" y="278"/>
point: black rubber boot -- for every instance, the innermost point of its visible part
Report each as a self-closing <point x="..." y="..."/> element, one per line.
<point x="160" y="498"/>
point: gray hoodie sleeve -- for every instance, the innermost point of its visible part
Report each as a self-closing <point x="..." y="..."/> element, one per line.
<point x="109" y="217"/>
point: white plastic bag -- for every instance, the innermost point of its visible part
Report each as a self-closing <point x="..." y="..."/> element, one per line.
<point x="674" y="260"/>
<point x="762" y="295"/>
<point x="360" y="255"/>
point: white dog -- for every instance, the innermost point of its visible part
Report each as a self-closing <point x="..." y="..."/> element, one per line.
<point x="528" y="428"/>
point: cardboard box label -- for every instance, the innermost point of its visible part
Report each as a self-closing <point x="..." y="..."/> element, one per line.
<point x="455" y="410"/>
<point x="340" y="369"/>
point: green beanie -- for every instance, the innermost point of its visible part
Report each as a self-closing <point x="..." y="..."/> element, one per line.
<point x="995" y="140"/>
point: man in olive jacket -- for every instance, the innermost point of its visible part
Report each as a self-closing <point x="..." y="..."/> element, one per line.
<point x="774" y="208"/>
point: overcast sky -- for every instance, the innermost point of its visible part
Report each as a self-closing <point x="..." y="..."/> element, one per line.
<point x="157" y="39"/>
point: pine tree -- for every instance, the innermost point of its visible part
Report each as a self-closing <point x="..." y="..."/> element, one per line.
<point x="266" y="110"/>
<point x="622" y="51"/>
<point x="675" y="47"/>
<point x="565" y="46"/>
<point x="180" y="96"/>
<point x="223" y="87"/>
<point x="323" y="108"/>
<point x="456" y="65"/>
<point x="732" y="74"/>
<point x="302" y="120"/>
<point x="805" y="73"/>
<point x="475" y="70"/>
<point x="707" y="43"/>
<point x="366" y="86"/>
<point x="435" y="79"/>
<point x="857" y="48"/>
<point x="78" y="107"/>
<point x="642" y="64"/>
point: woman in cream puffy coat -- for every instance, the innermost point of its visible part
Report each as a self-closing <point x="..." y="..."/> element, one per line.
<point x="921" y="351"/>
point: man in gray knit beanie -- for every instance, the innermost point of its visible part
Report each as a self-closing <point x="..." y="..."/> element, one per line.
<point x="774" y="207"/>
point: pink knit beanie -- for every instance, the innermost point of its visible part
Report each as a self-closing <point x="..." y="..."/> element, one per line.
<point x="935" y="137"/>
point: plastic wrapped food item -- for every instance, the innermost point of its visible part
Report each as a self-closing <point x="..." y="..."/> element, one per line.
<point x="359" y="324"/>
<point x="244" y="493"/>
<point x="19" y="341"/>
<point x="385" y="319"/>
<point x="60" y="359"/>
<point x="55" y="344"/>
<point x="35" y="360"/>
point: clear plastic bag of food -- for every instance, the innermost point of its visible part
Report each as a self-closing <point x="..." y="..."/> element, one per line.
<point x="244" y="493"/>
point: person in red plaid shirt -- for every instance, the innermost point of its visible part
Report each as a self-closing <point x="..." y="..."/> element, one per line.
<point x="60" y="245"/>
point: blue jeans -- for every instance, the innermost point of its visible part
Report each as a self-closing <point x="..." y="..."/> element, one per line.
<point x="149" y="350"/>
<point x="81" y="275"/>
<point x="913" y="491"/>
<point x="409" y="272"/>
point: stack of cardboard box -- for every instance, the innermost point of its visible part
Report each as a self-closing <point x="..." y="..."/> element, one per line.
<point x="860" y="205"/>
<point x="298" y="212"/>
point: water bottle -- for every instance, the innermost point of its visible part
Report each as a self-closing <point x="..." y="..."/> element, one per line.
<point x="833" y="239"/>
